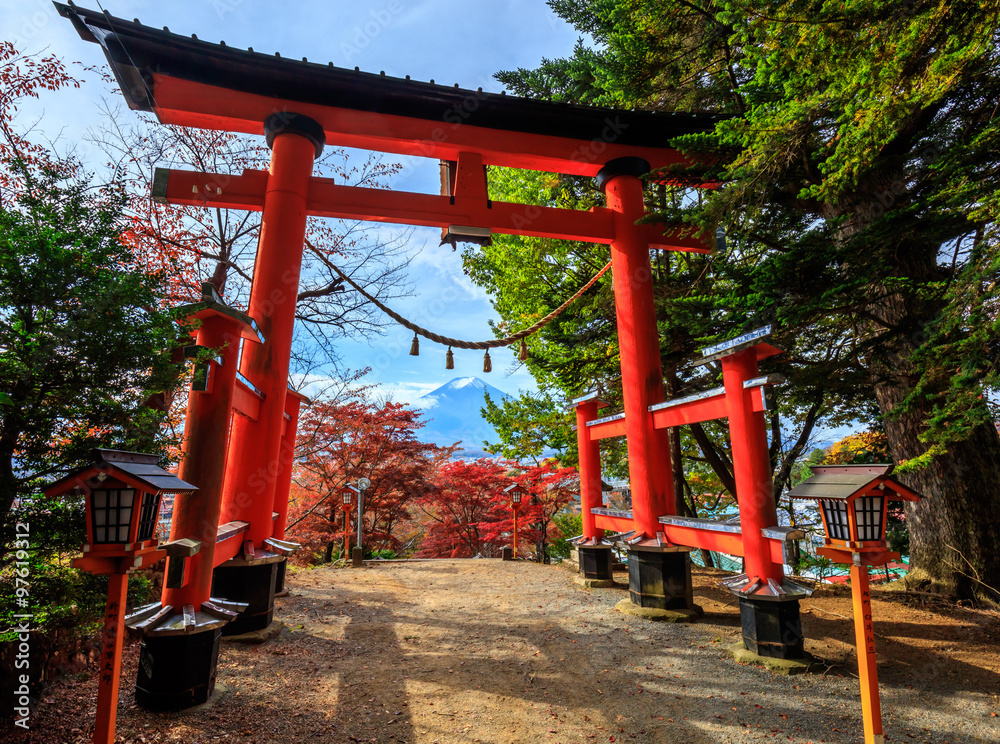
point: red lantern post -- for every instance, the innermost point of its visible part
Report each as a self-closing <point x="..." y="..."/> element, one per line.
<point x="853" y="500"/>
<point x="122" y="500"/>
<point x="516" y="493"/>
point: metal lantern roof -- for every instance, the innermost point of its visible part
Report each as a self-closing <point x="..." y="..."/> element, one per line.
<point x="841" y="482"/>
<point x="138" y="468"/>
<point x="210" y="302"/>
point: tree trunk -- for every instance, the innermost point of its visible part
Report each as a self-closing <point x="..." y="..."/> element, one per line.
<point x="328" y="557"/>
<point x="955" y="528"/>
<point x="9" y="486"/>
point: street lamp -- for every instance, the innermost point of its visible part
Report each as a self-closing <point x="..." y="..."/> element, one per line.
<point x="358" y="555"/>
<point x="122" y="493"/>
<point x="853" y="501"/>
<point x="516" y="494"/>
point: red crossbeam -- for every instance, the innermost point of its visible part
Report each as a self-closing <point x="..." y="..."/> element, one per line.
<point x="730" y="543"/>
<point x="246" y="401"/>
<point x="328" y="199"/>
<point x="696" y="411"/>
<point x="191" y="104"/>
<point x="615" y="524"/>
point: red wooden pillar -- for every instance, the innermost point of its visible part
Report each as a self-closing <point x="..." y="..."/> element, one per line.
<point x="639" y="344"/>
<point x="589" y="467"/>
<point x="864" y="635"/>
<point x="255" y="448"/>
<point x="206" y="435"/>
<point x="751" y="468"/>
<point x="111" y="659"/>
<point x="293" y="403"/>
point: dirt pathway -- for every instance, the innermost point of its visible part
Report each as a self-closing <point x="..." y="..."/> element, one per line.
<point x="484" y="651"/>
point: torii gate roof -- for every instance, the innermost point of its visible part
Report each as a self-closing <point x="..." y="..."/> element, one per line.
<point x="189" y="82"/>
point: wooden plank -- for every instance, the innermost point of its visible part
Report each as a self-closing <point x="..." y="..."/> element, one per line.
<point x="696" y="411"/>
<point x="613" y="523"/>
<point x="246" y="401"/>
<point x="606" y="430"/>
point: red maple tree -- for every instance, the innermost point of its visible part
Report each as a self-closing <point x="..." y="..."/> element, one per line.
<point x="467" y="511"/>
<point x="24" y="76"/>
<point x="551" y="488"/>
<point x="341" y="441"/>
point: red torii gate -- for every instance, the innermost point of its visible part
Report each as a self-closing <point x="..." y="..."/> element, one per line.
<point x="768" y="601"/>
<point x="300" y="107"/>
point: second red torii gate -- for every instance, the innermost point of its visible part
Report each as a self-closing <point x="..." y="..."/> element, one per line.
<point x="766" y="595"/>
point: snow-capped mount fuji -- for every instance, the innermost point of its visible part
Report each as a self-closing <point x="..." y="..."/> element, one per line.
<point x="452" y="415"/>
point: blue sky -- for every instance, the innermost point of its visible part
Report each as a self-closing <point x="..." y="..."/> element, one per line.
<point x="450" y="41"/>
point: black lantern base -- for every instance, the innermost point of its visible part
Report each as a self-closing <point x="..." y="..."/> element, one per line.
<point x="772" y="628"/>
<point x="177" y="672"/>
<point x="595" y="562"/>
<point x="279" y="577"/>
<point x="252" y="584"/>
<point x="660" y="580"/>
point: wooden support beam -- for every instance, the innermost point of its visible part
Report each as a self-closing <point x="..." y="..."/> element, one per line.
<point x="246" y="400"/>
<point x="328" y="199"/>
<point x="615" y="524"/>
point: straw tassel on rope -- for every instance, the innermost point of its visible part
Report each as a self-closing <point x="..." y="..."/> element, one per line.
<point x="437" y="338"/>
<point x="487" y="363"/>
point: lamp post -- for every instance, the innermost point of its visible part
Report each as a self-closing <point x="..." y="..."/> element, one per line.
<point x="516" y="493"/>
<point x="358" y="555"/>
<point x="853" y="501"/>
<point x="122" y="493"/>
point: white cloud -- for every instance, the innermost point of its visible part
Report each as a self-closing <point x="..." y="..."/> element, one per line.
<point x="409" y="393"/>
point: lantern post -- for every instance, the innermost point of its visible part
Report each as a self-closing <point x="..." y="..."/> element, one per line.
<point x="516" y="494"/>
<point x="347" y="499"/>
<point x="122" y="493"/>
<point x="853" y="500"/>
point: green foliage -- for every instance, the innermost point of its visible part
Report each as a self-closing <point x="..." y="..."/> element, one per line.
<point x="528" y="426"/>
<point x="815" y="565"/>
<point x="82" y="336"/>
<point x="855" y="155"/>
<point x="61" y="597"/>
<point x="568" y="525"/>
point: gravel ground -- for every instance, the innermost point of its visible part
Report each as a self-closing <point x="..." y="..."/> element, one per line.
<point x="486" y="651"/>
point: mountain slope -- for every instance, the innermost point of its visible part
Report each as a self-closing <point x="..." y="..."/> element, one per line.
<point x="452" y="415"/>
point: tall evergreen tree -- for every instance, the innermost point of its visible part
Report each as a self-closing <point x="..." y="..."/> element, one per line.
<point x="856" y="150"/>
<point x="83" y="340"/>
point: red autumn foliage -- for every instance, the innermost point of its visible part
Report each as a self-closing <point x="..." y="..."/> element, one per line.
<point x="467" y="510"/>
<point x="342" y="441"/>
<point x="24" y="76"/>
<point x="550" y="489"/>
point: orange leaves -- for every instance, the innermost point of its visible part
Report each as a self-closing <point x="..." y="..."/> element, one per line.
<point x="24" y="76"/>
<point x="345" y="439"/>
